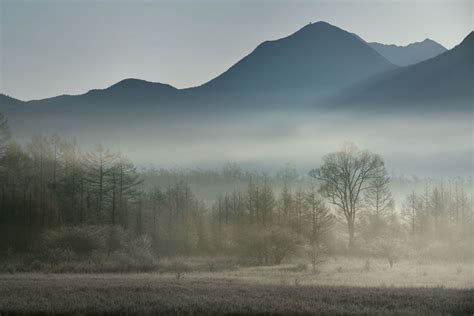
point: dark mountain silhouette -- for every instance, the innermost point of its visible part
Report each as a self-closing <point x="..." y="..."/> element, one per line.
<point x="445" y="81"/>
<point x="124" y="94"/>
<point x="311" y="63"/>
<point x="299" y="69"/>
<point x="6" y="100"/>
<point x="320" y="66"/>
<point x="410" y="54"/>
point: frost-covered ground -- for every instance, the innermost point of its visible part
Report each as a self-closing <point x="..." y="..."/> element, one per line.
<point x="341" y="285"/>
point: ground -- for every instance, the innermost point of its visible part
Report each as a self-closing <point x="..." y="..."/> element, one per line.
<point x="341" y="286"/>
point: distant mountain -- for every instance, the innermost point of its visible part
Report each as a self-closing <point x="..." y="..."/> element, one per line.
<point x="6" y="100"/>
<point x="446" y="80"/>
<point x="299" y="69"/>
<point x="126" y="94"/>
<point x="410" y="54"/>
<point x="314" y="62"/>
<point x="320" y="67"/>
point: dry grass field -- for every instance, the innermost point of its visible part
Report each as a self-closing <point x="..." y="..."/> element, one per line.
<point x="341" y="286"/>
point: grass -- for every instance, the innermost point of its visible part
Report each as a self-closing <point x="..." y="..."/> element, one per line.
<point x="350" y="272"/>
<point x="339" y="287"/>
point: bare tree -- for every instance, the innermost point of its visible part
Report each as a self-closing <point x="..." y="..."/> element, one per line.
<point x="321" y="217"/>
<point x="285" y="204"/>
<point x="345" y="175"/>
<point x="378" y="197"/>
<point x="386" y="248"/>
<point x="300" y="209"/>
<point x="317" y="255"/>
<point x="99" y="166"/>
<point x="157" y="199"/>
<point x="378" y="205"/>
<point x="4" y="138"/>
<point x="4" y="134"/>
<point x="438" y="204"/>
<point x="411" y="211"/>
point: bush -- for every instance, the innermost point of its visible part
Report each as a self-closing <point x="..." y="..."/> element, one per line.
<point x="69" y="242"/>
<point x="281" y="244"/>
<point x="269" y="246"/>
<point x="387" y="248"/>
<point x="317" y="255"/>
<point x="90" y="249"/>
<point x="140" y="250"/>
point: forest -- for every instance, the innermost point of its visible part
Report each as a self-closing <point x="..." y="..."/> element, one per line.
<point x="66" y="209"/>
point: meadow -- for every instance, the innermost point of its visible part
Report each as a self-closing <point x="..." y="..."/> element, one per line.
<point x="342" y="285"/>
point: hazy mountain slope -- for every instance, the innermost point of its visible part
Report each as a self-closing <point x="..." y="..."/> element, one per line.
<point x="5" y="101"/>
<point x="410" y="54"/>
<point x="313" y="62"/>
<point x="299" y="69"/>
<point x="122" y="95"/>
<point x="446" y="80"/>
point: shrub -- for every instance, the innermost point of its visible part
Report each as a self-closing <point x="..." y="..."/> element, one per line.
<point x="269" y="246"/>
<point x="119" y="262"/>
<point x="141" y="250"/>
<point x="387" y="248"/>
<point x="116" y="239"/>
<point x="281" y="244"/>
<point x="68" y="243"/>
<point x="94" y="249"/>
<point x="317" y="255"/>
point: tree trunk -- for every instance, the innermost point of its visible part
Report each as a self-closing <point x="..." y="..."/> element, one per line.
<point x="350" y="226"/>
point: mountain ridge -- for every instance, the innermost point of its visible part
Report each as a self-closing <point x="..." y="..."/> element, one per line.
<point x="298" y="69"/>
<point x="310" y="56"/>
<point x="306" y="67"/>
<point x="413" y="53"/>
<point x="446" y="79"/>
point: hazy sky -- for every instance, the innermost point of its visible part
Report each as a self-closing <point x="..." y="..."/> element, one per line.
<point x="49" y="48"/>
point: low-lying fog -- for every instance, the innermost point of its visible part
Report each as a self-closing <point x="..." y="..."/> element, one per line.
<point x="424" y="145"/>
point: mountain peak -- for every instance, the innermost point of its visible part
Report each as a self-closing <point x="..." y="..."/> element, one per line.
<point x="133" y="83"/>
<point x="410" y="54"/>
<point x="441" y="81"/>
<point x="311" y="63"/>
<point x="317" y="27"/>
<point x="318" y="24"/>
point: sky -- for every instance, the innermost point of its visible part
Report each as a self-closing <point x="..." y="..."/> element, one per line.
<point x="49" y="48"/>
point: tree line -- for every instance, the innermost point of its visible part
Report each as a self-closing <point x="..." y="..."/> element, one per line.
<point x="51" y="183"/>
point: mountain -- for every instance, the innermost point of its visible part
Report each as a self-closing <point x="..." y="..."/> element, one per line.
<point x="320" y="66"/>
<point x="307" y="65"/>
<point x="7" y="100"/>
<point x="122" y="95"/>
<point x="445" y="81"/>
<point x="410" y="54"/>
<point x="299" y="69"/>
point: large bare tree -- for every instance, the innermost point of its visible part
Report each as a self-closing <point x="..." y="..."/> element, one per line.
<point x="345" y="175"/>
